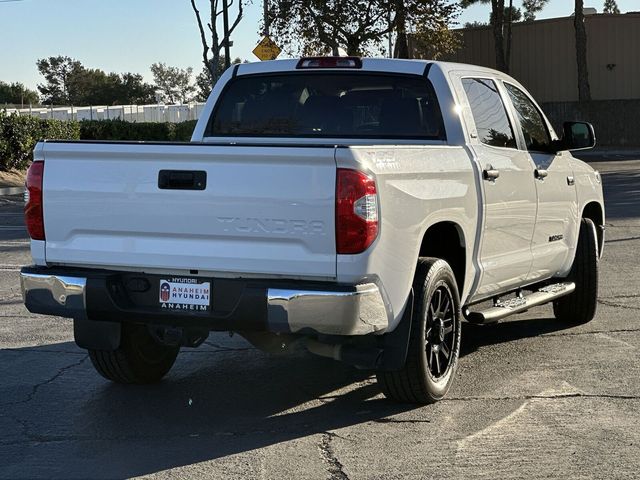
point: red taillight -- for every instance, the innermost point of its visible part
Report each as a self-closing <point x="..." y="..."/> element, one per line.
<point x="33" y="215"/>
<point x="329" y="62"/>
<point x="356" y="211"/>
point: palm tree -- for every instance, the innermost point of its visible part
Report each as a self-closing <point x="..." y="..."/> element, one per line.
<point x="497" y="14"/>
<point x="584" y="91"/>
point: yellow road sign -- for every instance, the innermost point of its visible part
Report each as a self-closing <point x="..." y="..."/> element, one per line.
<point x="267" y="49"/>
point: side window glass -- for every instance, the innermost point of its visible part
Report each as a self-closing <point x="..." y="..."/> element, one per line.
<point x="489" y="113"/>
<point x="534" y="128"/>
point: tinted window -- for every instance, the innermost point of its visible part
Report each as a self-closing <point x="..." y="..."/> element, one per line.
<point x="489" y="112"/>
<point x="328" y="105"/>
<point x="534" y="129"/>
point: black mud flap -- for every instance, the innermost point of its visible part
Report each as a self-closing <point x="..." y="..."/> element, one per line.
<point x="396" y="344"/>
<point x="95" y="335"/>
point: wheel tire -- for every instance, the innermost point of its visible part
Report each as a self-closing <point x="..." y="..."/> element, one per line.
<point x="416" y="381"/>
<point x="138" y="360"/>
<point x="580" y="306"/>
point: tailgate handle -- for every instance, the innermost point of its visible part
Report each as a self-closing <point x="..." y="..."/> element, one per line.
<point x="182" y="179"/>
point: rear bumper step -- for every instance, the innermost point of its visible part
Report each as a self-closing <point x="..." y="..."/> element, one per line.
<point x="503" y="309"/>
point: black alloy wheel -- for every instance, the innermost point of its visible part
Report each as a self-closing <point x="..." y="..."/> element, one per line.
<point x="440" y="334"/>
<point x="434" y="339"/>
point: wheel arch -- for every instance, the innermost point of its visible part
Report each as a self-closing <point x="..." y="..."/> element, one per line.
<point x="446" y="240"/>
<point x="594" y="212"/>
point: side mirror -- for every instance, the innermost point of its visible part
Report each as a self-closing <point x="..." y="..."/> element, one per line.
<point x="577" y="136"/>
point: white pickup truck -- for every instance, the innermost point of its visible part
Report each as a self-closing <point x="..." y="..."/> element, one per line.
<point x="359" y="207"/>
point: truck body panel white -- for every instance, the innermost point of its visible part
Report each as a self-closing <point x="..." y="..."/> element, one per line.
<point x="421" y="187"/>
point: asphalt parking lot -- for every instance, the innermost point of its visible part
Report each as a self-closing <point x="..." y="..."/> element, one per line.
<point x="532" y="399"/>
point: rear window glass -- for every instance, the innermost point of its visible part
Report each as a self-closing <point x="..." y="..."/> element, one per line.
<point x="328" y="105"/>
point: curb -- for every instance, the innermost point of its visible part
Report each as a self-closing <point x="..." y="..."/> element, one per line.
<point x="11" y="190"/>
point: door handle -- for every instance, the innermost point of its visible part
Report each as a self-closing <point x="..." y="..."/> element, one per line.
<point x="540" y="174"/>
<point x="182" y="179"/>
<point x="490" y="173"/>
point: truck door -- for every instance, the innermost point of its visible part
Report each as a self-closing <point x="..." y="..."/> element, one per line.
<point x="555" y="231"/>
<point x="508" y="188"/>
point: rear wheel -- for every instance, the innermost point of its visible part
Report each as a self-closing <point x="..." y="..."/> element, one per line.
<point x="434" y="342"/>
<point x="139" y="359"/>
<point x="580" y="306"/>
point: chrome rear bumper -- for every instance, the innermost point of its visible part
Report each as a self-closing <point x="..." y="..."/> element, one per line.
<point x="54" y="295"/>
<point x="355" y="310"/>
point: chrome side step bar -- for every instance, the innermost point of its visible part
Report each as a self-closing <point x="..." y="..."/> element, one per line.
<point x="502" y="309"/>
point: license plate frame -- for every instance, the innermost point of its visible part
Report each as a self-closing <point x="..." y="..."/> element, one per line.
<point x="184" y="294"/>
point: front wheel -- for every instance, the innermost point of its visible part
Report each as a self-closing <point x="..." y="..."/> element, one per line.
<point x="434" y="342"/>
<point x="580" y="306"/>
<point x="139" y="359"/>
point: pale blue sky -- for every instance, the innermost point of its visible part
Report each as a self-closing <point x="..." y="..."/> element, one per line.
<point x="130" y="35"/>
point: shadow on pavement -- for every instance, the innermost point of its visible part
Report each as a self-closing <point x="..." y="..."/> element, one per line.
<point x="622" y="194"/>
<point x="477" y="336"/>
<point x="214" y="404"/>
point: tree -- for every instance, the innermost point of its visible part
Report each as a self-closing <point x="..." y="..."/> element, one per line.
<point x="584" y="90"/>
<point x="95" y="87"/>
<point x="174" y="83"/>
<point x="501" y="18"/>
<point x="130" y="88"/>
<point x="509" y="12"/>
<point x="358" y="27"/>
<point x="435" y="43"/>
<point x="516" y="16"/>
<point x="56" y="71"/>
<point x="430" y="20"/>
<point x="68" y="82"/>
<point x="324" y="26"/>
<point x="497" y="14"/>
<point x="401" y="49"/>
<point x="17" y="94"/>
<point x="205" y="82"/>
<point x="88" y="87"/>
<point x="610" y="6"/>
<point x="532" y="7"/>
<point x="213" y="44"/>
<point x="476" y="24"/>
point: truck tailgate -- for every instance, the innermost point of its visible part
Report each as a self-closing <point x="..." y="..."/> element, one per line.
<point x="266" y="210"/>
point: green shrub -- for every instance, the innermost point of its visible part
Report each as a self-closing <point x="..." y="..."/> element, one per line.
<point x="19" y="135"/>
<point x="184" y="130"/>
<point x="149" y="132"/>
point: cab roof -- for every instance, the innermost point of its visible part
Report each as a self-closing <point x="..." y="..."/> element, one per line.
<point x="385" y="65"/>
